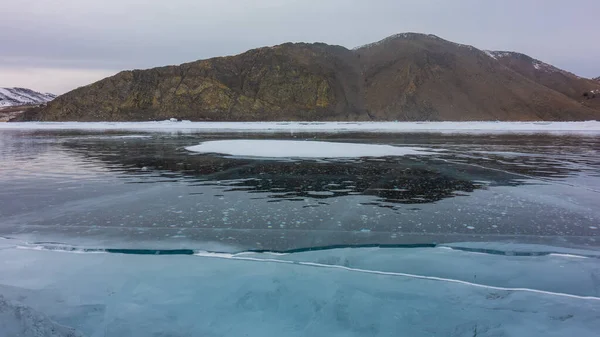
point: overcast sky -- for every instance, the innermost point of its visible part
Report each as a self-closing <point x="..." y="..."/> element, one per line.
<point x="58" y="45"/>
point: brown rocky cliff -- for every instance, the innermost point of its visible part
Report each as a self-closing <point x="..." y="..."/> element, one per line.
<point x="286" y="82"/>
<point x="549" y="76"/>
<point x="404" y="77"/>
<point x="423" y="77"/>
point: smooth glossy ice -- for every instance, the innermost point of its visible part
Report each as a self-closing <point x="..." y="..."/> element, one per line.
<point x="343" y="292"/>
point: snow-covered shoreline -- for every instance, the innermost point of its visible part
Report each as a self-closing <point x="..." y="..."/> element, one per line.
<point x="579" y="128"/>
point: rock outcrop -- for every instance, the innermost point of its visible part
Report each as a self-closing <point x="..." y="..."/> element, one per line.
<point x="564" y="82"/>
<point x="404" y="77"/>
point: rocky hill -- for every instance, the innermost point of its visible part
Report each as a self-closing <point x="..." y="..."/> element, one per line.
<point x="290" y="81"/>
<point x="415" y="77"/>
<point x="14" y="101"/>
<point x="547" y="75"/>
<point x="403" y="77"/>
<point x="22" y="96"/>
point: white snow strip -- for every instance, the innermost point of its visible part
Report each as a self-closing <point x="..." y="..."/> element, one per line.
<point x="264" y="253"/>
<point x="59" y="249"/>
<point x="568" y="255"/>
<point x="213" y="254"/>
<point x="389" y="273"/>
<point x="490" y="54"/>
<point x="587" y="127"/>
<point x="302" y="149"/>
<point x="111" y="137"/>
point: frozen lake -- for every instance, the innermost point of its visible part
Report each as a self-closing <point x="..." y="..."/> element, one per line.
<point x="115" y="189"/>
<point x="383" y="232"/>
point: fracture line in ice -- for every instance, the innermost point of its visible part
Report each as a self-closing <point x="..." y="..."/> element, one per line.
<point x="377" y="272"/>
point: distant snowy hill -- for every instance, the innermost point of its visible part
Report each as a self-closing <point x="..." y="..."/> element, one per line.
<point x="23" y="96"/>
<point x="597" y="78"/>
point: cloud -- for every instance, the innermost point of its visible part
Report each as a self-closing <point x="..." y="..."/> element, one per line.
<point x="53" y="80"/>
<point x="126" y="34"/>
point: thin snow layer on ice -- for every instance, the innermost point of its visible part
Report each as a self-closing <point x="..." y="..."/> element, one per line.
<point x="336" y="292"/>
<point x="302" y="149"/>
<point x="588" y="127"/>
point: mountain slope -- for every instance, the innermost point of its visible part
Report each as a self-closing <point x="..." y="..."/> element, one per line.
<point x="22" y="96"/>
<point x="597" y="79"/>
<point x="559" y="80"/>
<point x="404" y="77"/>
<point x="286" y="82"/>
<point x="414" y="77"/>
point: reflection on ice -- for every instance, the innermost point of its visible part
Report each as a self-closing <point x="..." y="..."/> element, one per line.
<point x="390" y="182"/>
<point x="339" y="292"/>
<point x="129" y="214"/>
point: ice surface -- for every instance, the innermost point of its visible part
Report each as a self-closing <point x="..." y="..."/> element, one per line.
<point x="20" y="321"/>
<point x="302" y="149"/>
<point x="87" y="192"/>
<point x="580" y="128"/>
<point x="338" y="292"/>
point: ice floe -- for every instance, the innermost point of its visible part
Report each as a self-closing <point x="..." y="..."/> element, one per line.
<point x="302" y="149"/>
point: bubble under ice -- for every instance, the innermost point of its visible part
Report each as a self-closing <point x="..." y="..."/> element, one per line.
<point x="108" y="248"/>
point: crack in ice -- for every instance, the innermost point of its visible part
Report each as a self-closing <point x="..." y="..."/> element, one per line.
<point x="389" y="273"/>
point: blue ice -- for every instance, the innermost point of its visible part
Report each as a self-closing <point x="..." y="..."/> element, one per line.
<point x="470" y="291"/>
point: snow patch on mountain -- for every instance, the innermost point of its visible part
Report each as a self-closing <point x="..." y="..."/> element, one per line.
<point x="539" y="65"/>
<point x="536" y="64"/>
<point x="387" y="39"/>
<point x="23" y="96"/>
<point x="409" y="36"/>
<point x="490" y="54"/>
<point x="497" y="54"/>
